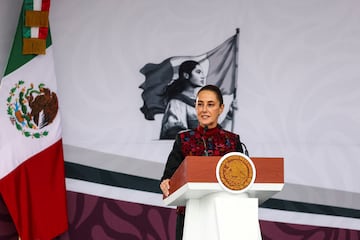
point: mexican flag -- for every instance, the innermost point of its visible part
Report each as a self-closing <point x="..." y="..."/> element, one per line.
<point x="32" y="179"/>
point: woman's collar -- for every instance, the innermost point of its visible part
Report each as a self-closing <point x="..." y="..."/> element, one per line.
<point x="210" y="131"/>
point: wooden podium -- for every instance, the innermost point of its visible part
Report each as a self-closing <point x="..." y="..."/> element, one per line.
<point x="212" y="212"/>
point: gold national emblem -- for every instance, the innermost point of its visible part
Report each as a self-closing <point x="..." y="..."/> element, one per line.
<point x="235" y="172"/>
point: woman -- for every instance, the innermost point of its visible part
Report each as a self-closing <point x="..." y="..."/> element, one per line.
<point x="209" y="105"/>
<point x="180" y="113"/>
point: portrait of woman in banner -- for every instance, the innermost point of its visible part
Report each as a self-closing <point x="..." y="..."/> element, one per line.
<point x="180" y="94"/>
<point x="180" y="113"/>
<point x="171" y="85"/>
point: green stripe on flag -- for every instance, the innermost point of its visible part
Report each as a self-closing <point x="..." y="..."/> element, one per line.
<point x="28" y="5"/>
<point x="16" y="58"/>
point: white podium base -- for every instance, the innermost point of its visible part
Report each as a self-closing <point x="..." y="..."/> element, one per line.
<point x="222" y="216"/>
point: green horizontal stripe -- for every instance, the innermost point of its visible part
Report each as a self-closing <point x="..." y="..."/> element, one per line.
<point x="116" y="179"/>
<point x="96" y="175"/>
<point x="295" y="206"/>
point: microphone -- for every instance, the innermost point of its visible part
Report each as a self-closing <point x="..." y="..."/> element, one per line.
<point x="245" y="148"/>
<point x="205" y="146"/>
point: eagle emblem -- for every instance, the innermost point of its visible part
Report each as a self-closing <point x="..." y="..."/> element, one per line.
<point x="32" y="108"/>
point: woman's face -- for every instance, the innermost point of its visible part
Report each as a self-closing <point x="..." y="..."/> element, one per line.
<point x="197" y="76"/>
<point x="208" y="108"/>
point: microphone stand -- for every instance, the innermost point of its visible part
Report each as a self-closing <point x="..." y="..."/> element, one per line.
<point x="245" y="148"/>
<point x="205" y="146"/>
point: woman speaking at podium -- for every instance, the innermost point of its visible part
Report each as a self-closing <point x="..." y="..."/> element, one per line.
<point x="207" y="139"/>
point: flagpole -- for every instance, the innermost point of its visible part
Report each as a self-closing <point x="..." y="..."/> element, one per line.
<point x="235" y="75"/>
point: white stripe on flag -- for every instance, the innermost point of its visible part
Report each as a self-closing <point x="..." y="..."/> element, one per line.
<point x="34" y="32"/>
<point x="37" y="5"/>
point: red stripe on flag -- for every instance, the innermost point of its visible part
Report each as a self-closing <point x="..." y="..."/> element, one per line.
<point x="43" y="32"/>
<point x="45" y="5"/>
<point x="35" y="195"/>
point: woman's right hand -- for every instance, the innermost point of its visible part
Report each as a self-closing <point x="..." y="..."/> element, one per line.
<point x="165" y="186"/>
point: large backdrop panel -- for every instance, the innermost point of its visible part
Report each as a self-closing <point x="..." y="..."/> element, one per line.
<point x="296" y="87"/>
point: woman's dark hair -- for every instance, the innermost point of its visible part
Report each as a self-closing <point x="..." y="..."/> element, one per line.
<point x="180" y="84"/>
<point x="214" y="89"/>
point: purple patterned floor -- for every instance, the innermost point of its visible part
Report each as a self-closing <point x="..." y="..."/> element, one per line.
<point x="92" y="217"/>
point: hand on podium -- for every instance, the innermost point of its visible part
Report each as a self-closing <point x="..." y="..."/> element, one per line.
<point x="165" y="186"/>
